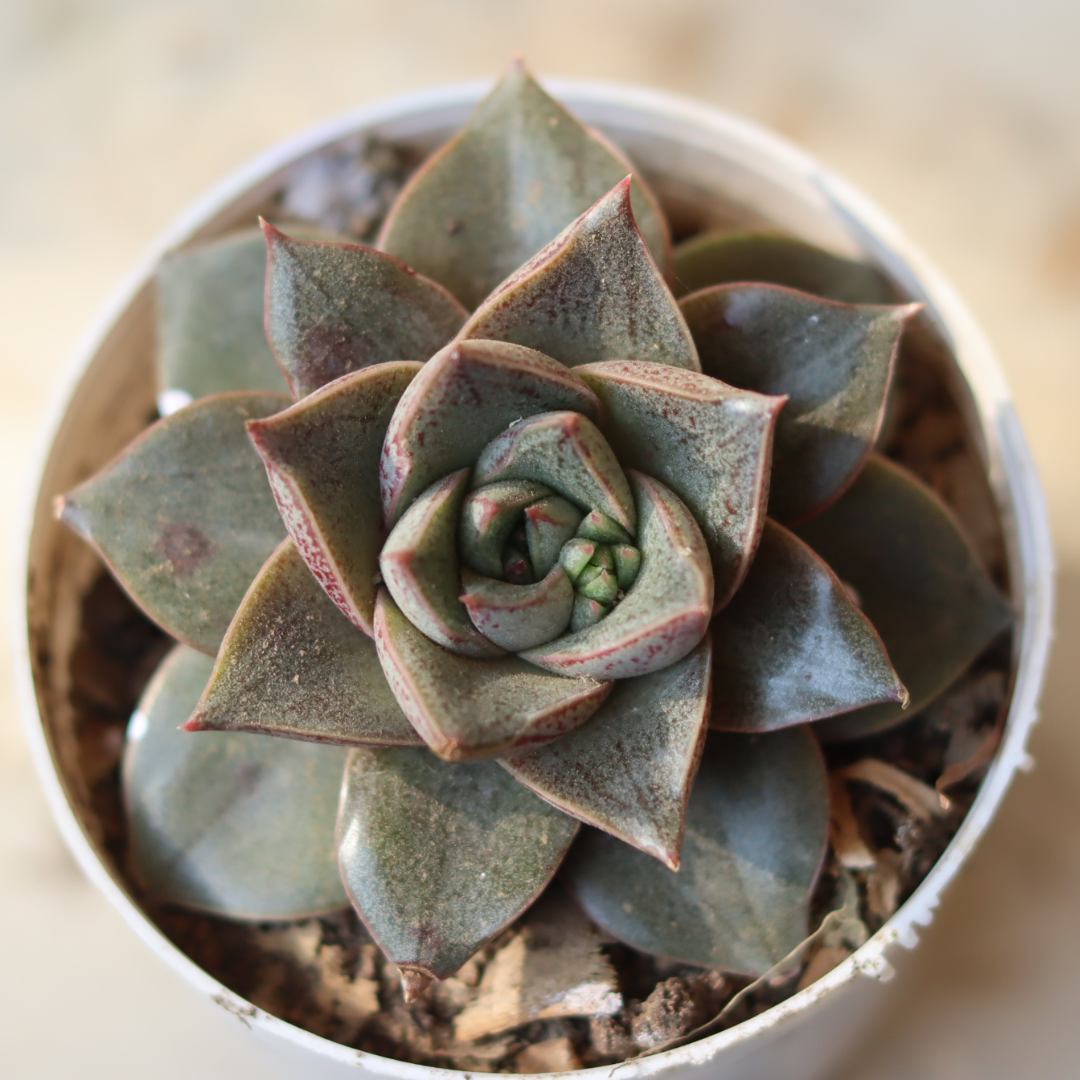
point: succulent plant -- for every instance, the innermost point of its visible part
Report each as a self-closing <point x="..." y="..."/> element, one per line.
<point x="489" y="553"/>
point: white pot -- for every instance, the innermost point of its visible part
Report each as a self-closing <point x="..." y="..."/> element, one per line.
<point x="699" y="155"/>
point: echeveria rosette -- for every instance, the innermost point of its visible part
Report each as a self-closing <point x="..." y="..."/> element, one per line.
<point x="528" y="567"/>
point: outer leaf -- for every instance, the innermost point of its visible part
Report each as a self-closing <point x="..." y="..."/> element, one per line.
<point x="594" y="293"/>
<point x="566" y="452"/>
<point x="756" y="832"/>
<point x="462" y="399"/>
<point x="467" y="708"/>
<point x="420" y="567"/>
<point x="488" y="516"/>
<point x="210" y="320"/>
<point x="709" y="442"/>
<point x="666" y="612"/>
<point x="833" y="361"/>
<point x="293" y="665"/>
<point x="918" y="581"/>
<point x="518" y="617"/>
<point x="239" y="825"/>
<point x="718" y="258"/>
<point x="629" y="770"/>
<point x="322" y="458"/>
<point x="439" y="858"/>
<point x="334" y="308"/>
<point x="518" y="173"/>
<point x="792" y="647"/>
<point x="185" y="518"/>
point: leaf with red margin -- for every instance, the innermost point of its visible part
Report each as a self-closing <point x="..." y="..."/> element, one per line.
<point x="833" y="361"/>
<point x="184" y="518"/>
<point x="293" y="665"/>
<point x="322" y="457"/>
<point x="466" y="708"/>
<point x="709" y="442"/>
<point x="630" y="769"/>
<point x="756" y="833"/>
<point x="464" y="397"/>
<point x="566" y="452"/>
<point x="792" y="647"/>
<point x="515" y="176"/>
<point x="593" y="294"/>
<point x="918" y="581"/>
<point x="336" y="308"/>
<point x="665" y="613"/>
<point x="420" y="566"/>
<point x="518" y="617"/>
<point x="439" y="858"/>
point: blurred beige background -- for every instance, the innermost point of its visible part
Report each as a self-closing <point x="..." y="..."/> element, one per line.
<point x="960" y="117"/>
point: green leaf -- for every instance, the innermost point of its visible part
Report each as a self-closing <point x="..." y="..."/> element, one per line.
<point x="334" y="308"/>
<point x="238" y="825"/>
<point x="663" y="616"/>
<point x="462" y="399"/>
<point x="439" y="858"/>
<point x="518" y="617"/>
<point x="722" y="257"/>
<point x="549" y="525"/>
<point x="566" y="452"/>
<point x="466" y="708"/>
<point x="630" y="769"/>
<point x="594" y="293"/>
<point x="512" y="179"/>
<point x="293" y="665"/>
<point x="756" y="831"/>
<point x="322" y="458"/>
<point x="210" y="319"/>
<point x="792" y="647"/>
<point x="710" y="443"/>
<point x="420" y="567"/>
<point x="833" y="361"/>
<point x="185" y="518"/>
<point x="918" y="581"/>
<point x="488" y="516"/>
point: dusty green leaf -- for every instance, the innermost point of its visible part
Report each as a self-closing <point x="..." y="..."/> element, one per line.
<point x="466" y="708"/>
<point x="210" y="319"/>
<point x="756" y="831"/>
<point x="322" y="458"/>
<point x="719" y="258"/>
<point x="709" y="442"/>
<point x="238" y="825"/>
<point x="335" y="308"/>
<point x="293" y="665"/>
<point x="791" y="646"/>
<point x="666" y="612"/>
<point x="438" y="858"/>
<point x="917" y="580"/>
<point x="549" y="524"/>
<point x="593" y="294"/>
<point x="833" y="361"/>
<point x="518" y="617"/>
<point x="185" y="518"/>
<point x="630" y="769"/>
<point x="509" y="182"/>
<point x="463" y="398"/>
<point x="565" y="452"/>
<point x="420" y="566"/>
<point x="488" y="516"/>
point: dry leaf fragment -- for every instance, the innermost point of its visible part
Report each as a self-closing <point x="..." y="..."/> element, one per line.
<point x="919" y="798"/>
<point x="847" y="841"/>
<point x="821" y="963"/>
<point x="883" y="883"/>
<point x="551" y="1055"/>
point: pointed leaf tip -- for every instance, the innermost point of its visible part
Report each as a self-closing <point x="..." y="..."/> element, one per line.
<point x="414" y="983"/>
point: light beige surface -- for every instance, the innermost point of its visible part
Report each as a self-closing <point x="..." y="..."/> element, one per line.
<point x="961" y="117"/>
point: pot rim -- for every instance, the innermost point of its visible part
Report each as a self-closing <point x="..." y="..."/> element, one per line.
<point x="1019" y="499"/>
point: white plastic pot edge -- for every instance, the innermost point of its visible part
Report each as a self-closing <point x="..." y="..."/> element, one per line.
<point x="1012" y="470"/>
